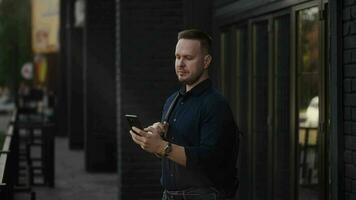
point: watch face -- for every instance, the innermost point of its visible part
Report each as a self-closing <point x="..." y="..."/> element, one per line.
<point x="168" y="149"/>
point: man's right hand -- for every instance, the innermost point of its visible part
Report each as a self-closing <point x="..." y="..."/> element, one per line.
<point x="158" y="127"/>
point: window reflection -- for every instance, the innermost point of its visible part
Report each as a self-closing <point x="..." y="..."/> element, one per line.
<point x="308" y="102"/>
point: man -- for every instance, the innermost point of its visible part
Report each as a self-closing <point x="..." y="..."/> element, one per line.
<point x="197" y="142"/>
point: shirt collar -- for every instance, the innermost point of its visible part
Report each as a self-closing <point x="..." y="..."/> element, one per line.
<point x="197" y="90"/>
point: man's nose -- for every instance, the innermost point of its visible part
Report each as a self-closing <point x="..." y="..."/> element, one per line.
<point x="180" y="63"/>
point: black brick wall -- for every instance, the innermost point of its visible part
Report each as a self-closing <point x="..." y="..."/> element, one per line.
<point x="201" y="20"/>
<point x="147" y="32"/>
<point x="100" y="98"/>
<point x="61" y="104"/>
<point x="349" y="88"/>
<point x="219" y="3"/>
<point x="75" y="85"/>
<point x="74" y="52"/>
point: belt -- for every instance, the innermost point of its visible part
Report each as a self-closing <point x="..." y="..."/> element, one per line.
<point x="191" y="192"/>
<point x="199" y="190"/>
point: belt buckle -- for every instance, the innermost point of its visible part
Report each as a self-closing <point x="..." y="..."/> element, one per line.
<point x="176" y="195"/>
<point x="171" y="196"/>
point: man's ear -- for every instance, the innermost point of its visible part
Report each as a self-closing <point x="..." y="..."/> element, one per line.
<point x="207" y="60"/>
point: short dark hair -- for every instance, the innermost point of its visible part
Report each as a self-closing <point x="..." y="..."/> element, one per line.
<point x="195" y="34"/>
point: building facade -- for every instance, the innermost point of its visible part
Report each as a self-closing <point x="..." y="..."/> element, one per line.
<point x="282" y="69"/>
<point x="287" y="68"/>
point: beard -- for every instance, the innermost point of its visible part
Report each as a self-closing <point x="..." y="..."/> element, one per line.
<point x="192" y="79"/>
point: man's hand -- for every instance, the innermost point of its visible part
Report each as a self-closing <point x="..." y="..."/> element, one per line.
<point x="151" y="141"/>
<point x="158" y="127"/>
<point x="148" y="139"/>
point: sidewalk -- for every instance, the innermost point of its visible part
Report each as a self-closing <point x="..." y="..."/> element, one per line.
<point x="4" y="121"/>
<point x="72" y="182"/>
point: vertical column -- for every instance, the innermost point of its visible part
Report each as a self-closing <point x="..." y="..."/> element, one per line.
<point x="61" y="105"/>
<point x="338" y="154"/>
<point x="100" y="96"/>
<point x="349" y="98"/>
<point x="118" y="90"/>
<point x="75" y="79"/>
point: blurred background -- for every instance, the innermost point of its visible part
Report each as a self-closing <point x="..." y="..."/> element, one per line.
<point x="71" y="69"/>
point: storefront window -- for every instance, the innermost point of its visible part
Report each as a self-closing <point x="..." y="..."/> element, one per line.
<point x="308" y="65"/>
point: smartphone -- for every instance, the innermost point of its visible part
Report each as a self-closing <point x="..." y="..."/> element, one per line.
<point x="134" y="121"/>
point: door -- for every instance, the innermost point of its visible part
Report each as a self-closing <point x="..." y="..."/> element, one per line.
<point x="310" y="98"/>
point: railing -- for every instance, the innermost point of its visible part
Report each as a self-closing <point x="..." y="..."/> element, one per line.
<point x="34" y="136"/>
<point x="19" y="169"/>
<point x="308" y="149"/>
<point x="7" y="164"/>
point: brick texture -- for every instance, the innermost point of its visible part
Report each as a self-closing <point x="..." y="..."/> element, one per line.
<point x="100" y="98"/>
<point x="75" y="96"/>
<point x="349" y="89"/>
<point x="61" y="108"/>
<point x="220" y="3"/>
<point x="348" y="157"/>
<point x="146" y="38"/>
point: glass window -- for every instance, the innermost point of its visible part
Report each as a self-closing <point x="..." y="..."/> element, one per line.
<point x="227" y="70"/>
<point x="282" y="144"/>
<point x="260" y="108"/>
<point x="241" y="110"/>
<point x="308" y="65"/>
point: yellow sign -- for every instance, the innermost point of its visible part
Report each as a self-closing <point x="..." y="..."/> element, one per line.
<point x="45" y="26"/>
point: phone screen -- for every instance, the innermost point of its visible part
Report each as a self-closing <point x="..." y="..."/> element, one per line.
<point x="134" y="121"/>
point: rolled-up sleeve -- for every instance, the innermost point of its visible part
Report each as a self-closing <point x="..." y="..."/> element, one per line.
<point x="214" y="137"/>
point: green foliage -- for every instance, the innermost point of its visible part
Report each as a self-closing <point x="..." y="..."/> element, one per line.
<point x="15" y="39"/>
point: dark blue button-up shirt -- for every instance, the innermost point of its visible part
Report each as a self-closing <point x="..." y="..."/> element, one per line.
<point x="201" y="122"/>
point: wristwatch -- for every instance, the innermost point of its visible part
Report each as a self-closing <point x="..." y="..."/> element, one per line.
<point x="167" y="149"/>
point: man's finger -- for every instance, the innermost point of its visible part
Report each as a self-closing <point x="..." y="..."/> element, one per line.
<point x="159" y="126"/>
<point x="139" y="131"/>
<point x="138" y="139"/>
<point x="150" y="128"/>
<point x="156" y="124"/>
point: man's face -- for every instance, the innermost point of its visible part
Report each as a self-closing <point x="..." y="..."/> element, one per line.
<point x="190" y="61"/>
